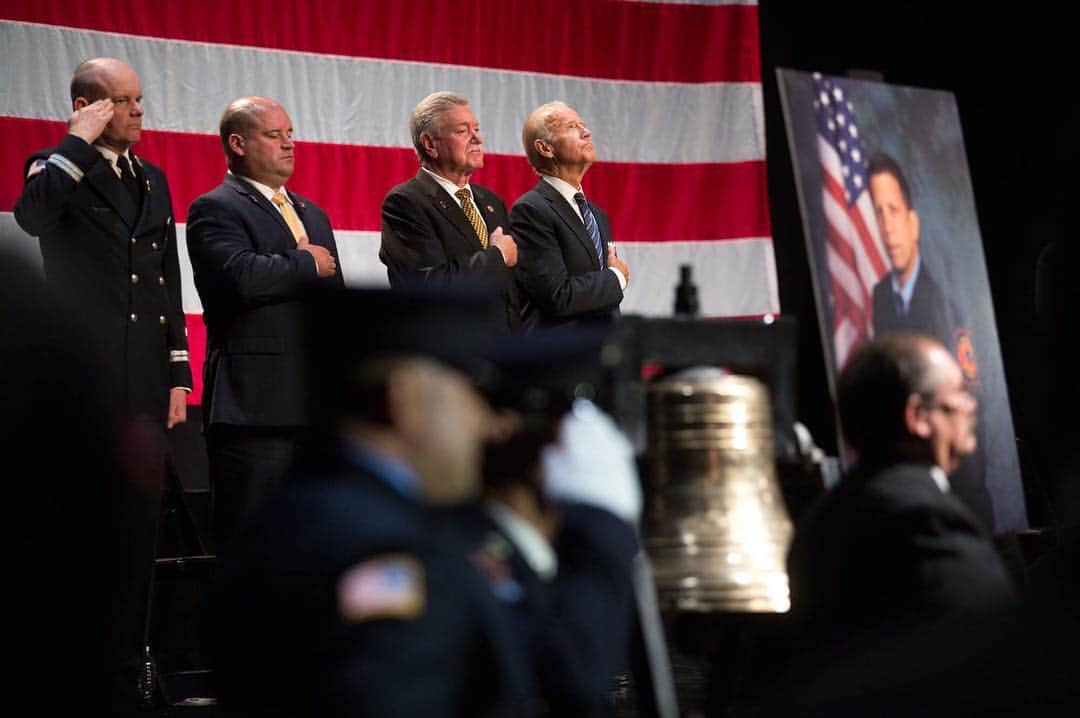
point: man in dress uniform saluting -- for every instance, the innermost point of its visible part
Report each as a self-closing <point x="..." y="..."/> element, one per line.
<point x="108" y="240"/>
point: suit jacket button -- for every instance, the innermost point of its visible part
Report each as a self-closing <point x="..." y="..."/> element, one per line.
<point x="161" y="320"/>
<point x="161" y="281"/>
<point x="134" y="317"/>
<point x="133" y="240"/>
<point x="134" y="278"/>
<point x="154" y="245"/>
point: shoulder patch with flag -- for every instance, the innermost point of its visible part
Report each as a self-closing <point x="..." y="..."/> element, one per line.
<point x="389" y="586"/>
<point x="35" y="168"/>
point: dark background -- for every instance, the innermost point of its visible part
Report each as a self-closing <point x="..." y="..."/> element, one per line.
<point x="1011" y="73"/>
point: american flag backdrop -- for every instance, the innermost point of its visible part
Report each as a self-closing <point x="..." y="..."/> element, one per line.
<point x="855" y="255"/>
<point x="671" y="91"/>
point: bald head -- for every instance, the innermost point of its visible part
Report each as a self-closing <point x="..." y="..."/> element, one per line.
<point x="538" y="126"/>
<point x="114" y="82"/>
<point x="241" y="118"/>
<point x="92" y="78"/>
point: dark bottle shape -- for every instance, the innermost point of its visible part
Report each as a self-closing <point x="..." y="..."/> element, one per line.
<point x="686" y="294"/>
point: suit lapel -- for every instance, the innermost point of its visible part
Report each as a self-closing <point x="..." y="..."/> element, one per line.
<point x="448" y="206"/>
<point x="570" y="218"/>
<point x="256" y="198"/>
<point x="105" y="182"/>
<point x="486" y="207"/>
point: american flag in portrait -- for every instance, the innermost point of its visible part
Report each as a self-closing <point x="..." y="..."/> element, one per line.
<point x="854" y="254"/>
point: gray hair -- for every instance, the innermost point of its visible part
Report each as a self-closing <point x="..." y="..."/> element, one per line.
<point x="426" y="117"/>
<point x="538" y="127"/>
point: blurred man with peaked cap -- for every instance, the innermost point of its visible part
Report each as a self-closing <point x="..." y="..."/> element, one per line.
<point x="357" y="592"/>
<point x="555" y="533"/>
<point x="72" y="588"/>
<point x="351" y="595"/>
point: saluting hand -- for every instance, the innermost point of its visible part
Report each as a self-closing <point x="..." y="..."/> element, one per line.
<point x="90" y="121"/>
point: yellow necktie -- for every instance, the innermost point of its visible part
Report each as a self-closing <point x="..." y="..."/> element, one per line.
<point x="291" y="219"/>
<point x="473" y="216"/>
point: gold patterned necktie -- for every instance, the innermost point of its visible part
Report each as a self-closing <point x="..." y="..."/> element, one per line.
<point x="291" y="218"/>
<point x="473" y="216"/>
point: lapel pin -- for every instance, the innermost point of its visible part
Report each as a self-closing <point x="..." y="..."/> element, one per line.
<point x="443" y="204"/>
<point x="489" y="208"/>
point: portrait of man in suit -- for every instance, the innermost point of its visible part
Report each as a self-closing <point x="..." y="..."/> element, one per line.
<point x="908" y="298"/>
<point x="569" y="267"/>
<point x="441" y="229"/>
<point x="256" y="249"/>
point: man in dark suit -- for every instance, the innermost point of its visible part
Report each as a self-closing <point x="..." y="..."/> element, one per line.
<point x="891" y="540"/>
<point x="255" y="248"/>
<point x="898" y="597"/>
<point x="440" y="229"/>
<point x="108" y="240"/>
<point x="907" y="298"/>
<point x="570" y="270"/>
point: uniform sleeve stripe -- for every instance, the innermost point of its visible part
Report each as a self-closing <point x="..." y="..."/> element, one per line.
<point x="67" y="166"/>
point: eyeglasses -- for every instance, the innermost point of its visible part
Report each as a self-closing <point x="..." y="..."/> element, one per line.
<point x="962" y="403"/>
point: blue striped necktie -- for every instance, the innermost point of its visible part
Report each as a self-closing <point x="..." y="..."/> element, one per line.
<point x="590" y="225"/>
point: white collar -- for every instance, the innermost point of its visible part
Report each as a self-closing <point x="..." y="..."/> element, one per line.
<point x="938" y="475"/>
<point x="529" y="542"/>
<point x="451" y="188"/>
<point x="112" y="155"/>
<point x="564" y="188"/>
<point x="264" y="190"/>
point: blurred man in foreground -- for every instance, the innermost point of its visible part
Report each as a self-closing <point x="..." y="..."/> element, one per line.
<point x="354" y="593"/>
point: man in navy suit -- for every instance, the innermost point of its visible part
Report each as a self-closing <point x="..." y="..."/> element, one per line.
<point x="569" y="267"/>
<point x="440" y="229"/>
<point x="256" y="249"/>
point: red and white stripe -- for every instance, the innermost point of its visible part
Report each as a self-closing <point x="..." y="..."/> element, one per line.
<point x="672" y="92"/>
<point x="855" y="256"/>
